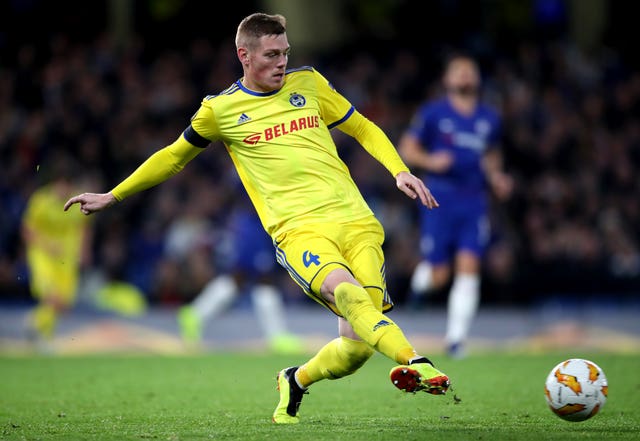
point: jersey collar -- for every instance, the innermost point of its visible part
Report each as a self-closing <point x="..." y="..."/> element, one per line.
<point x="253" y="92"/>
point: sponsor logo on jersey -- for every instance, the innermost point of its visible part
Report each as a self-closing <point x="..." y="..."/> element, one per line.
<point x="476" y="140"/>
<point x="294" y="125"/>
<point x="252" y="139"/>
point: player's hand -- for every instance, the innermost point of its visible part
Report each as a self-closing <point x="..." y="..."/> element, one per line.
<point x="502" y="185"/>
<point x="439" y="162"/>
<point x="91" y="202"/>
<point x="415" y="188"/>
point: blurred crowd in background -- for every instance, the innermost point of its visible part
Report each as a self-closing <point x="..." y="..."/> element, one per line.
<point x="571" y="121"/>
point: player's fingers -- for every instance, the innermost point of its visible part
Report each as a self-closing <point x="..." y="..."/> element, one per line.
<point x="433" y="203"/>
<point x="421" y="191"/>
<point x="426" y="197"/>
<point x="408" y="190"/>
<point x="71" y="201"/>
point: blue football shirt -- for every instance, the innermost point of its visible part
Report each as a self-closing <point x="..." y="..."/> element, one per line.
<point x="440" y="127"/>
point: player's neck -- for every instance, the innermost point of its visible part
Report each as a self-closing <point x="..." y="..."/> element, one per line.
<point x="464" y="104"/>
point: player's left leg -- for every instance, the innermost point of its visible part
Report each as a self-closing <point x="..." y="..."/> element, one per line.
<point x="414" y="372"/>
<point x="364" y="312"/>
<point x="464" y="296"/>
<point x="463" y="302"/>
<point x="338" y="358"/>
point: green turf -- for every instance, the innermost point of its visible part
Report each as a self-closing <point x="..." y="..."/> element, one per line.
<point x="231" y="396"/>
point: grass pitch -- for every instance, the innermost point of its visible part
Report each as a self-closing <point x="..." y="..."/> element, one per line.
<point x="231" y="396"/>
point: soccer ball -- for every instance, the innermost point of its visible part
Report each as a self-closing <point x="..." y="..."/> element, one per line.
<point x="576" y="389"/>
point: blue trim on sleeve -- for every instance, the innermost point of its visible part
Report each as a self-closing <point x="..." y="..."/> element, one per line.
<point x="343" y="119"/>
<point x="194" y="137"/>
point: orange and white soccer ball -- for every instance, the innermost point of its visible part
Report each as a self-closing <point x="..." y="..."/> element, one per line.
<point x="576" y="389"/>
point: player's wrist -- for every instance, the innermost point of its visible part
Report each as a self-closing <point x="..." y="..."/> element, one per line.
<point x="115" y="195"/>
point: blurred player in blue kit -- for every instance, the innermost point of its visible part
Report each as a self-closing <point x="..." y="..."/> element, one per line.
<point x="247" y="265"/>
<point x="454" y="141"/>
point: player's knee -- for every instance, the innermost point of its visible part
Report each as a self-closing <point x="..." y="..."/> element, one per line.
<point x="377" y="296"/>
<point x="350" y="297"/>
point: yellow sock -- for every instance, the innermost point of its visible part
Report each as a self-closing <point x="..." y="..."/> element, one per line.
<point x="371" y="325"/>
<point x="404" y="355"/>
<point x="44" y="320"/>
<point x="338" y="358"/>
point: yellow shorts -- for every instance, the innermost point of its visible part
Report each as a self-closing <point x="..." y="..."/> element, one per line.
<point x="311" y="252"/>
<point x="52" y="277"/>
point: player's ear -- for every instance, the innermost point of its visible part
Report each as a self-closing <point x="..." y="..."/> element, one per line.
<point x="243" y="55"/>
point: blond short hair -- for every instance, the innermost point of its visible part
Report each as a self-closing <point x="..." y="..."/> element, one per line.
<point x="257" y="25"/>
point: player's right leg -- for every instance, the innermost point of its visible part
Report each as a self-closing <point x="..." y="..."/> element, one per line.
<point x="214" y="298"/>
<point x="270" y="311"/>
<point x="422" y="278"/>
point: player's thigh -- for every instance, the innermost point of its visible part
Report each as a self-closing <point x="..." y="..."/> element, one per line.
<point x="309" y="254"/>
<point x="363" y="250"/>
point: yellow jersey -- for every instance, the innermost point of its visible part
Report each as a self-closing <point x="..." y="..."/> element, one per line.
<point x="56" y="233"/>
<point x="281" y="146"/>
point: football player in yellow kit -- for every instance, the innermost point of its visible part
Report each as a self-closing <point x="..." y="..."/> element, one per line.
<point x="56" y="246"/>
<point x="275" y="125"/>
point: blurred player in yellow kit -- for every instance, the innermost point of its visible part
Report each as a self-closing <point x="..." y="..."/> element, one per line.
<point x="275" y="125"/>
<point x="56" y="245"/>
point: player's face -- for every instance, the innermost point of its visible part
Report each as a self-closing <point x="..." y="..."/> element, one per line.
<point x="462" y="76"/>
<point x="264" y="66"/>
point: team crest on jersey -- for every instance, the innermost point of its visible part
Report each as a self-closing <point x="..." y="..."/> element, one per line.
<point x="297" y="100"/>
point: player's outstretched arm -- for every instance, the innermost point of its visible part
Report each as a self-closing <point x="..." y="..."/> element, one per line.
<point x="415" y="188"/>
<point x="157" y="168"/>
<point x="91" y="202"/>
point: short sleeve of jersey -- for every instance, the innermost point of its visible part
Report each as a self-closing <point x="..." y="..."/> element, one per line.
<point x="204" y="124"/>
<point x="334" y="108"/>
